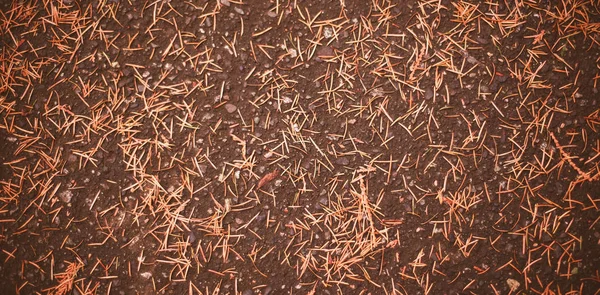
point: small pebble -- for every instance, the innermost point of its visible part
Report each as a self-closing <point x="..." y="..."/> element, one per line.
<point x="342" y="161"/>
<point x="472" y="60"/>
<point x="66" y="196"/>
<point x="230" y="108"/>
<point x="238" y="10"/>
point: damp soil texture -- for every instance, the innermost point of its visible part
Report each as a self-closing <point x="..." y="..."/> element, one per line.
<point x="299" y="147"/>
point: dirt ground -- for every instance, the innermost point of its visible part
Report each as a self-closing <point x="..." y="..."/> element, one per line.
<point x="299" y="147"/>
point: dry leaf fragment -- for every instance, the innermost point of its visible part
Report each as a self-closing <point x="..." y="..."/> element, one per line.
<point x="268" y="177"/>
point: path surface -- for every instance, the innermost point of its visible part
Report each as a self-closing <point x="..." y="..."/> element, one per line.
<point x="299" y="147"/>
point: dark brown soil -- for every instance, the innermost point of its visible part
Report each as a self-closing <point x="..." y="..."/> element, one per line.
<point x="299" y="147"/>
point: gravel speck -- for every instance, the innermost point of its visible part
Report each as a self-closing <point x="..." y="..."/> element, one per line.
<point x="66" y="196"/>
<point x="230" y="108"/>
<point x="342" y="161"/>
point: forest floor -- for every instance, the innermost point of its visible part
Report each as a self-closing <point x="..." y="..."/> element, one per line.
<point x="299" y="147"/>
